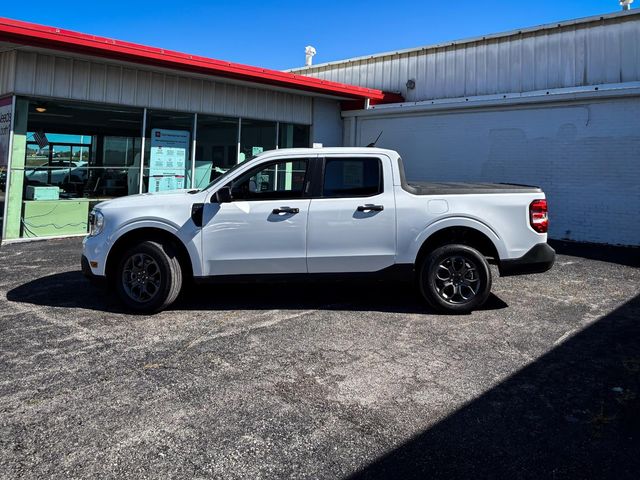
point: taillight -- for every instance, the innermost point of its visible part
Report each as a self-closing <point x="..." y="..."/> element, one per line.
<point x="538" y="217"/>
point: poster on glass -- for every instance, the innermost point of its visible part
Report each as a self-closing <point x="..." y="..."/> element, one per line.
<point x="168" y="161"/>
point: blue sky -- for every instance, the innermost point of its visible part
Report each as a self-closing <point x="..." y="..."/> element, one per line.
<point x="273" y="34"/>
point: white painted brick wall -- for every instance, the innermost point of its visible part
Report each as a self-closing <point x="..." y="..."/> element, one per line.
<point x="586" y="157"/>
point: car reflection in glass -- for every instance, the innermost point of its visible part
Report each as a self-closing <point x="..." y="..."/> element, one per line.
<point x="58" y="172"/>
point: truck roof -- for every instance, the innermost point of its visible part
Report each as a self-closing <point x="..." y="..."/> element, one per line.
<point x="328" y="151"/>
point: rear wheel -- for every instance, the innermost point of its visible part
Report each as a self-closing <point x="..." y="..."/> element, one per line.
<point x="455" y="279"/>
<point x="149" y="277"/>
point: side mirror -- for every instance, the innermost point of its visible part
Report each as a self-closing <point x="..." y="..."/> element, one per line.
<point x="223" y="195"/>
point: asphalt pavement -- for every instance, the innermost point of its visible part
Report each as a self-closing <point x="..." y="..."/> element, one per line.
<point x="317" y="380"/>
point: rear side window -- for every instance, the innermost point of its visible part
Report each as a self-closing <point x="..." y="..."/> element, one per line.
<point x="352" y="177"/>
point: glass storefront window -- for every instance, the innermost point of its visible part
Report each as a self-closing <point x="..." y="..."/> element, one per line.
<point x="120" y="151"/>
<point x="216" y="148"/>
<point x="291" y="135"/>
<point x="75" y="155"/>
<point x="256" y="137"/>
<point x="167" y="151"/>
<point x="124" y="153"/>
<point x="65" y="165"/>
<point x="73" y="169"/>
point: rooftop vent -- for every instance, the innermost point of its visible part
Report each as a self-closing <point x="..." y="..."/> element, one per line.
<point x="309" y="52"/>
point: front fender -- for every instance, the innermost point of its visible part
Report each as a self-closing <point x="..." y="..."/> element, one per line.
<point x="456" y="221"/>
<point x="188" y="235"/>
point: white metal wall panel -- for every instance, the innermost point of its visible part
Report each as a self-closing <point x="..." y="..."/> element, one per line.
<point x="80" y="78"/>
<point x="62" y="78"/>
<point x="592" y="52"/>
<point x="7" y="71"/>
<point x="113" y="84"/>
<point x="52" y="75"/>
<point x="45" y="66"/>
<point x="630" y="55"/>
<point x="97" y="81"/>
<point x="183" y="95"/>
<point x="327" y="124"/>
<point x="126" y="82"/>
<point x="585" y="155"/>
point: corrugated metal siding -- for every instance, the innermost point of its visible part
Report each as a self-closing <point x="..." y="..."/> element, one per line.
<point x="594" y="53"/>
<point x="47" y="75"/>
<point x="7" y="71"/>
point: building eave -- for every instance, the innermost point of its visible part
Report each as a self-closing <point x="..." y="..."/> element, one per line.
<point x="31" y="34"/>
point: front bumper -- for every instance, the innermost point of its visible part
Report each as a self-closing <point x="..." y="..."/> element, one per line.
<point x="537" y="260"/>
<point x="88" y="273"/>
<point x="86" y="269"/>
<point x="95" y="249"/>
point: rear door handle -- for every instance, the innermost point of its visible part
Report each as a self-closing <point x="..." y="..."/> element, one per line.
<point x="370" y="208"/>
<point x="278" y="211"/>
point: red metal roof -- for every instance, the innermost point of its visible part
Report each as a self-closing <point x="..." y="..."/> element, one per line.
<point x="32" y="34"/>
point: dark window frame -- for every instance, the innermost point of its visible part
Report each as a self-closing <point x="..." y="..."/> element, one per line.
<point x="319" y="192"/>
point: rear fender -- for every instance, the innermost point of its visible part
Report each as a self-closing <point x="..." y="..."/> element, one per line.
<point x="457" y="221"/>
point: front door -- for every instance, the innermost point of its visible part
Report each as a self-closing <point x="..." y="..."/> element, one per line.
<point x="352" y="226"/>
<point x="263" y="230"/>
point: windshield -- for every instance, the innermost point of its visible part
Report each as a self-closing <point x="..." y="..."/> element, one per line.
<point x="225" y="174"/>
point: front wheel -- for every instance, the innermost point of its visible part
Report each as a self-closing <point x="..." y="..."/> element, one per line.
<point x="455" y="279"/>
<point x="149" y="277"/>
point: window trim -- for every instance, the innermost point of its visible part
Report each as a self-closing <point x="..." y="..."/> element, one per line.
<point x="320" y="190"/>
<point x="306" y="183"/>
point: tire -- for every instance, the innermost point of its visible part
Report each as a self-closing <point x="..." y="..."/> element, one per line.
<point x="149" y="277"/>
<point x="455" y="279"/>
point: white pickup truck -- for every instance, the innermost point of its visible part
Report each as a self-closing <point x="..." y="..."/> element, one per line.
<point x="319" y="212"/>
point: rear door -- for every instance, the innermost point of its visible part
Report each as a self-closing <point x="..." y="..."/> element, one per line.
<point x="352" y="222"/>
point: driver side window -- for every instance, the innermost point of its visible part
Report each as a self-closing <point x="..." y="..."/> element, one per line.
<point x="273" y="181"/>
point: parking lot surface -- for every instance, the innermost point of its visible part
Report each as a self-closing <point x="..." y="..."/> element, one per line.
<point x="318" y="380"/>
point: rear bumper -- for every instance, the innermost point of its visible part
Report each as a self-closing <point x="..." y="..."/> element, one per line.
<point x="537" y="260"/>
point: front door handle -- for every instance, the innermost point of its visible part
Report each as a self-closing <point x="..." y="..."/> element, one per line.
<point x="278" y="211"/>
<point x="370" y="208"/>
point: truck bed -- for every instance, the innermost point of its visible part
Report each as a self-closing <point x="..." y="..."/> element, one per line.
<point x="462" y="188"/>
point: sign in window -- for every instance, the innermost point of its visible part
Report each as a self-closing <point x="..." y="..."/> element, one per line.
<point x="168" y="160"/>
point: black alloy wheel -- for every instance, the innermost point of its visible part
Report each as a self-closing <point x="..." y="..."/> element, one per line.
<point x="149" y="277"/>
<point x="455" y="279"/>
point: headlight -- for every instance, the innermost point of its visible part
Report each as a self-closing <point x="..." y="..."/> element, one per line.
<point x="96" y="222"/>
